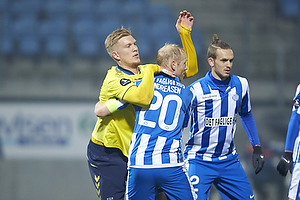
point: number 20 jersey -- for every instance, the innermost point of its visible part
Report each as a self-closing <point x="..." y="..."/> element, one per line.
<point x="156" y="140"/>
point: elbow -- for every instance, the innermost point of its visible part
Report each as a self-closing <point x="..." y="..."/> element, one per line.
<point x="99" y="110"/>
<point x="145" y="101"/>
<point x="98" y="113"/>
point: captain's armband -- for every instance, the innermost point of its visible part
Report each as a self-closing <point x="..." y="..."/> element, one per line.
<point x="115" y="104"/>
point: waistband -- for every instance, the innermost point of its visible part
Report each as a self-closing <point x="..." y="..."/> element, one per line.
<point x="99" y="147"/>
<point x="96" y="141"/>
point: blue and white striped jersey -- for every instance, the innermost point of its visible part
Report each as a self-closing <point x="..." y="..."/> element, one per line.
<point x="293" y="133"/>
<point x="213" y="118"/>
<point x="156" y="140"/>
<point x="297" y="101"/>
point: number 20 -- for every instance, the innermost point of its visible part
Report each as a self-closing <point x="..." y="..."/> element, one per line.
<point x="163" y="103"/>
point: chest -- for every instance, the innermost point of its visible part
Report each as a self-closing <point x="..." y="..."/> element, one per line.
<point x="218" y="103"/>
<point x="217" y="97"/>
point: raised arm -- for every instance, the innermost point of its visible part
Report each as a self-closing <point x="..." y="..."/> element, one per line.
<point x="184" y="26"/>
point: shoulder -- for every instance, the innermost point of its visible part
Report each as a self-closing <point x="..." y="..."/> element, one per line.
<point x="297" y="95"/>
<point x="200" y="83"/>
<point x="114" y="73"/>
<point x="298" y="89"/>
<point x="112" y="69"/>
<point x="116" y="78"/>
<point x="196" y="88"/>
<point x="242" y="80"/>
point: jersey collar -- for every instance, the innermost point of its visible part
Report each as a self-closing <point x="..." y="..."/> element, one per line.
<point x="164" y="74"/>
<point x="217" y="84"/>
<point x="125" y="70"/>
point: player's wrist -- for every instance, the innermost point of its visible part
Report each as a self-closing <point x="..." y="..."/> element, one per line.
<point x="185" y="28"/>
<point x="288" y="155"/>
<point x="257" y="149"/>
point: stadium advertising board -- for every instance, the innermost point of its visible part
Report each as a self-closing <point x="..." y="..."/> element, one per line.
<point x="45" y="130"/>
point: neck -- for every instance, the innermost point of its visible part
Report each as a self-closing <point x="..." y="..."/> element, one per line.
<point x="216" y="76"/>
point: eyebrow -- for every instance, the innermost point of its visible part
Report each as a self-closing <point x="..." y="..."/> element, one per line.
<point x="225" y="59"/>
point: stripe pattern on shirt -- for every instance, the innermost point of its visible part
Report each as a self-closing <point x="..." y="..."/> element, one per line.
<point x="214" y="115"/>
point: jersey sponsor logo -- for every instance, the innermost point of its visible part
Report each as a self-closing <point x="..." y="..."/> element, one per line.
<point x="125" y="81"/>
<point x="296" y="103"/>
<point x="222" y="121"/>
<point x="209" y="96"/>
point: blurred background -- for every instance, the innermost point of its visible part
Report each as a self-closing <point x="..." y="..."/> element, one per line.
<point x="53" y="62"/>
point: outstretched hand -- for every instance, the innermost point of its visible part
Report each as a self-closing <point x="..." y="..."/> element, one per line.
<point x="186" y="19"/>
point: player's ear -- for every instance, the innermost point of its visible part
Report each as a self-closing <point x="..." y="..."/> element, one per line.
<point x="173" y="65"/>
<point x="115" y="55"/>
<point x="211" y="61"/>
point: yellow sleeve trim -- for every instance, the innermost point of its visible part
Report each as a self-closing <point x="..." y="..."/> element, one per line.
<point x="185" y="29"/>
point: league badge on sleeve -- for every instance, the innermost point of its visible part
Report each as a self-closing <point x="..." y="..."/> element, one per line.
<point x="125" y="81"/>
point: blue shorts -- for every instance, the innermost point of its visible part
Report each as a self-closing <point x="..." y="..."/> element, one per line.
<point x="108" y="168"/>
<point x="144" y="182"/>
<point x="228" y="176"/>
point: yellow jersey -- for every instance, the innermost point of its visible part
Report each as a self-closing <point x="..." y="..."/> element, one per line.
<point x="116" y="129"/>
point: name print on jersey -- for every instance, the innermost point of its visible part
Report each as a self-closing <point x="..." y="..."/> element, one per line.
<point x="167" y="85"/>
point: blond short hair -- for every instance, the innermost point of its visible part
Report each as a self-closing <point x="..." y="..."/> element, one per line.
<point x="169" y="52"/>
<point x="114" y="37"/>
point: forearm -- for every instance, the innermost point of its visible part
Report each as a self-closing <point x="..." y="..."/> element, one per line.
<point x="188" y="46"/>
<point x="250" y="128"/>
<point x="292" y="132"/>
<point x="143" y="94"/>
<point x="110" y="106"/>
